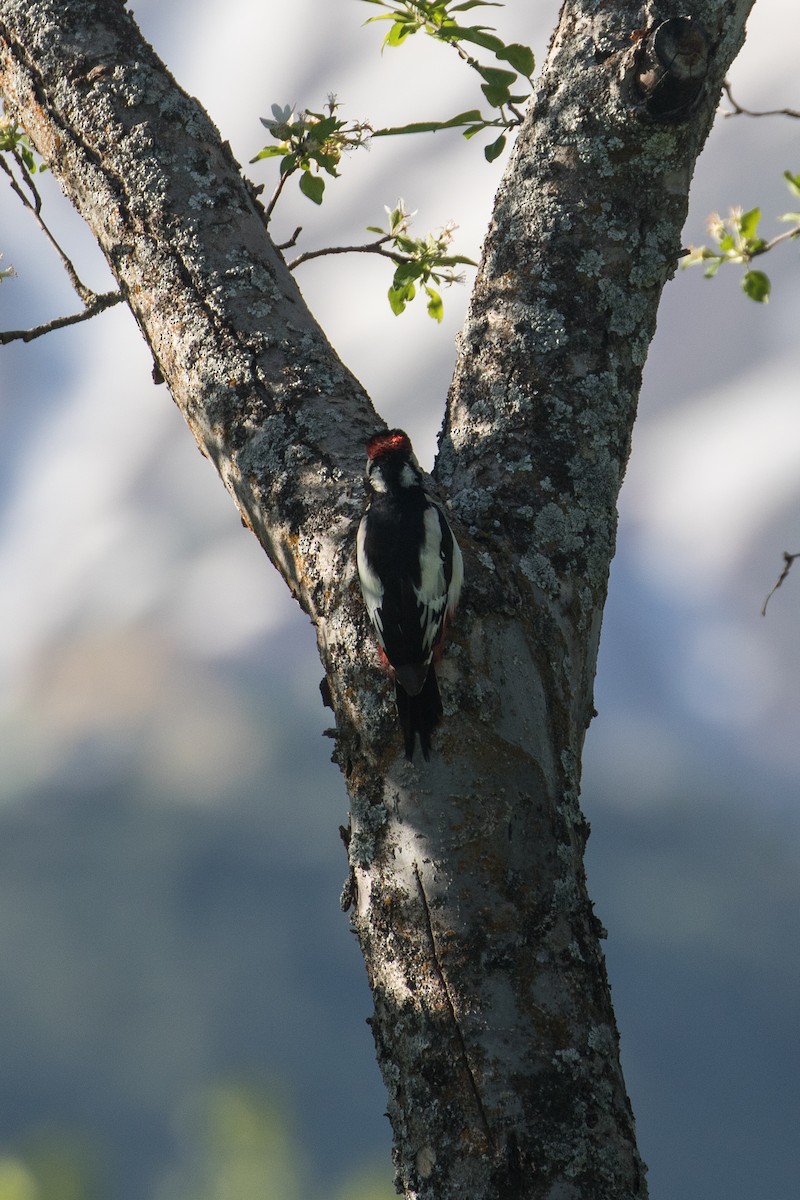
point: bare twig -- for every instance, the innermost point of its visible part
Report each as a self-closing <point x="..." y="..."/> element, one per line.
<point x="276" y="196"/>
<point x="788" y="560"/>
<point x="368" y="248"/>
<point x="292" y="240"/>
<point x="34" y="206"/>
<point x="93" y="303"/>
<point x="747" y="112"/>
<point x="782" y="237"/>
<point x="97" y="304"/>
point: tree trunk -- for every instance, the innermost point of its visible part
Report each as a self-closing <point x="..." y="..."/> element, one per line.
<point x="493" y="1020"/>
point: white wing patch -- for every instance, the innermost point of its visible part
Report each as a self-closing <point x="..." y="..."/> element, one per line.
<point x="433" y="595"/>
<point x="371" y="587"/>
<point x="456" y="579"/>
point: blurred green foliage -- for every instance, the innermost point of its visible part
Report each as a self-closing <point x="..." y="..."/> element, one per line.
<point x="50" y="1166"/>
<point x="738" y="241"/>
<point x="233" y="1141"/>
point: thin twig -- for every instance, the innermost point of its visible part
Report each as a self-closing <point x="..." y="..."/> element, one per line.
<point x="86" y="294"/>
<point x="788" y="559"/>
<point x="276" y="196"/>
<point x="96" y="305"/>
<point x="369" y="248"/>
<point x="747" y="112"/>
<point x="782" y="237"/>
<point x="27" y="179"/>
<point x="292" y="240"/>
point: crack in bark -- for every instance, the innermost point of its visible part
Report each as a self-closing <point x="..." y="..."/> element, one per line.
<point x="452" y="1010"/>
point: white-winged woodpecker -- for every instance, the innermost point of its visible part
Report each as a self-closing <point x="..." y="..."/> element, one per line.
<point x="411" y="571"/>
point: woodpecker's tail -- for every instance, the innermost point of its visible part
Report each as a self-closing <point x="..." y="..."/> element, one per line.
<point x="419" y="714"/>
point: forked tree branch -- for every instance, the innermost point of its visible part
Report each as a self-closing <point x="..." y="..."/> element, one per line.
<point x="469" y="896"/>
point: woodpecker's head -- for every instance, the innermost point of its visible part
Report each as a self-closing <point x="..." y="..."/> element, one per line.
<point x="391" y="463"/>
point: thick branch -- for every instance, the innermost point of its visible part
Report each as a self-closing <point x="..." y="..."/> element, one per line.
<point x="265" y="395"/>
<point x="585" y="232"/>
<point x="184" y="235"/>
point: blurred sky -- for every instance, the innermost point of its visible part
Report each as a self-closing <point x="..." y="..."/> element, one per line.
<point x="169" y="856"/>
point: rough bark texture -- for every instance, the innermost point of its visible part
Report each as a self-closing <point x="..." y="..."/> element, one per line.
<point x="493" y="1021"/>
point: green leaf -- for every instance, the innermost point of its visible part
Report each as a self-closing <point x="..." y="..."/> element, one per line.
<point x="397" y="301"/>
<point x="397" y="34"/>
<point x="288" y="163"/>
<point x="468" y="4"/>
<point x="757" y="286"/>
<point x="520" y="57"/>
<point x="324" y="128"/>
<point x="748" y="223"/>
<point x="453" y="260"/>
<point x="793" y="182"/>
<point x="328" y="162"/>
<point x="312" y="186"/>
<point x="465" y="118"/>
<point x="497" y="96"/>
<point x="269" y="152"/>
<point x="497" y="77"/>
<point x="399" y="297"/>
<point x="494" y="150"/>
<point x="435" y="305"/>
<point x="406" y="273"/>
<point x="471" y="33"/>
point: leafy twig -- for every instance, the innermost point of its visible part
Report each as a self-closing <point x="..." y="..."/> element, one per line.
<point x="439" y="19"/>
<point x="309" y="143"/>
<point x="421" y="260"/>
<point x="738" y="241"/>
<point x="418" y="261"/>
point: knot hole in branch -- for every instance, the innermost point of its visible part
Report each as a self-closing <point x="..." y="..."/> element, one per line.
<point x="671" y="67"/>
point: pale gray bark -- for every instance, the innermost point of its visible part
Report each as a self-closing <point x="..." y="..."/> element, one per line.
<point x="493" y="1021"/>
